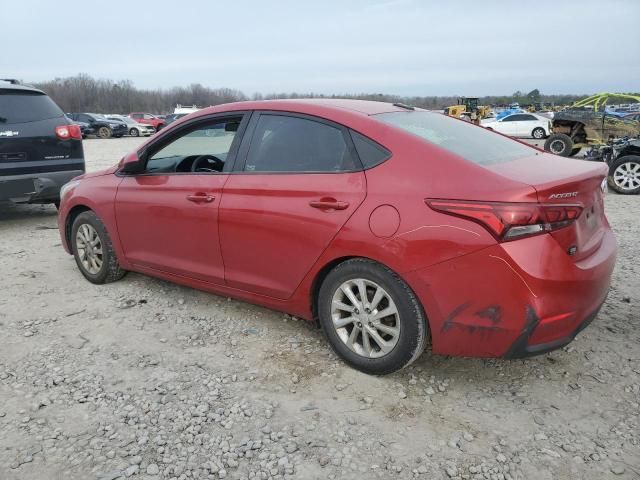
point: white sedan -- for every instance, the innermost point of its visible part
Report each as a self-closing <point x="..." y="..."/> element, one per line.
<point x="521" y="125"/>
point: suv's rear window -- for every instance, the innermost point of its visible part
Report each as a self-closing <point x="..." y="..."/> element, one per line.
<point x="464" y="139"/>
<point x="21" y="107"/>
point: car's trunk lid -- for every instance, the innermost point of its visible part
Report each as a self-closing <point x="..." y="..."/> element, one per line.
<point x="559" y="180"/>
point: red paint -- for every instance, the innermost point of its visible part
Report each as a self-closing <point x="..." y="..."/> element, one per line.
<point x="264" y="238"/>
<point x="384" y="221"/>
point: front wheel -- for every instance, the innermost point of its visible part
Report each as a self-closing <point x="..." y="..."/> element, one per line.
<point x="624" y="175"/>
<point x="538" y="133"/>
<point x="93" y="250"/>
<point x="371" y="317"/>
<point x="134" y="132"/>
<point x="559" y="144"/>
<point x="104" y="132"/>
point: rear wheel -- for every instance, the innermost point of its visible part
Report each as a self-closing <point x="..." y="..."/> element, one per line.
<point x="538" y="133"/>
<point x="559" y="144"/>
<point x="624" y="175"/>
<point x="104" y="132"/>
<point x="93" y="250"/>
<point x="371" y="317"/>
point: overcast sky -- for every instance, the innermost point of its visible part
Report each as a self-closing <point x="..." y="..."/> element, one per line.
<point x="402" y="47"/>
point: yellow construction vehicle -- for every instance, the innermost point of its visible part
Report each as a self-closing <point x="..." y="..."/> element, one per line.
<point x="468" y="107"/>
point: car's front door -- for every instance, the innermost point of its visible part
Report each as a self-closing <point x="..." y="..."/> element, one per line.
<point x="298" y="183"/>
<point x="168" y="215"/>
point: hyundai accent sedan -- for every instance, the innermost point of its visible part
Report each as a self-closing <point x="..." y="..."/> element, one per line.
<point x="394" y="228"/>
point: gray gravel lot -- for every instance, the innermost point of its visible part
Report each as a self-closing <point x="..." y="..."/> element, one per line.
<point x="146" y="379"/>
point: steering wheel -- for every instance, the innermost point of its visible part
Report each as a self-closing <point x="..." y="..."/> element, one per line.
<point x="211" y="164"/>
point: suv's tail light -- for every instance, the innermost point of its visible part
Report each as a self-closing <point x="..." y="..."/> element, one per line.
<point x="509" y="221"/>
<point x="65" y="132"/>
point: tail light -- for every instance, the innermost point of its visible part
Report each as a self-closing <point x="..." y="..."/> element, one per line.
<point x="66" y="132"/>
<point x="509" y="221"/>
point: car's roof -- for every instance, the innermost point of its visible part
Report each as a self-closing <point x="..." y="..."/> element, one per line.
<point x="364" y="107"/>
<point x="6" y="85"/>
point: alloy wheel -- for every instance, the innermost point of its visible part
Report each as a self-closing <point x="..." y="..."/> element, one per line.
<point x="538" y="133"/>
<point x="89" y="248"/>
<point x="627" y="176"/>
<point x="365" y="318"/>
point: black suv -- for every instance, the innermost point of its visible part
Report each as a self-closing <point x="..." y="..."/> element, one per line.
<point x="40" y="149"/>
<point x="102" y="126"/>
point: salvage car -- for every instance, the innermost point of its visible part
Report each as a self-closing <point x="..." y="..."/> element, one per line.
<point x="40" y="148"/>
<point x="523" y="125"/>
<point x="148" y="119"/>
<point x="393" y="227"/>
<point x="623" y="158"/>
<point x="135" y="129"/>
<point x="101" y="125"/>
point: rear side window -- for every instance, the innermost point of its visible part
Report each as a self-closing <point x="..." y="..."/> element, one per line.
<point x="292" y="144"/>
<point x="22" y="107"/>
<point x="468" y="141"/>
<point x="370" y="152"/>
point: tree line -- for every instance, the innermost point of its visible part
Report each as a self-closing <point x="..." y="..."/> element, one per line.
<point x="83" y="93"/>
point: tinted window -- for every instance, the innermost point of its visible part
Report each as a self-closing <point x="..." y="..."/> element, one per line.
<point x="292" y="144"/>
<point x="21" y="107"/>
<point x="201" y="150"/>
<point x="529" y="117"/>
<point x="461" y="138"/>
<point x="370" y="152"/>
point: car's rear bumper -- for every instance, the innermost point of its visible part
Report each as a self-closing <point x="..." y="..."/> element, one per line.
<point x="513" y="299"/>
<point x="35" y="187"/>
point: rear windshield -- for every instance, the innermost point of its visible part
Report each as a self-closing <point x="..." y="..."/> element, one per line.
<point x="21" y="107"/>
<point x="462" y="138"/>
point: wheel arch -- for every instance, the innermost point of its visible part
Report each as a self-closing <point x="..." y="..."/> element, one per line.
<point x="71" y="216"/>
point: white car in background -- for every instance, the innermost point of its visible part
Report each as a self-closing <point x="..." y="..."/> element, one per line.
<point x="135" y="129"/>
<point x="526" y="125"/>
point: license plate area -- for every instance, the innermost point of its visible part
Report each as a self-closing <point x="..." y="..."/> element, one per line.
<point x="17" y="188"/>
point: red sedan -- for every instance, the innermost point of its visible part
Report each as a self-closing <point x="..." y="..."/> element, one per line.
<point x="393" y="227"/>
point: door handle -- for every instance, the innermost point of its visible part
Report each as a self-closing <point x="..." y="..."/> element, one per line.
<point x="200" y="198"/>
<point x="329" y="204"/>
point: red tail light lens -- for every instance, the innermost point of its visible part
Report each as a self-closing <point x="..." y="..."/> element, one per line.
<point x="508" y="221"/>
<point x="66" y="132"/>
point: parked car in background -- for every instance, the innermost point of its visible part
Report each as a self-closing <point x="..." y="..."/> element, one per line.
<point x="148" y="119"/>
<point x="172" y="117"/>
<point x="102" y="126"/>
<point x="135" y="129"/>
<point x="85" y="128"/>
<point x="40" y="148"/>
<point x="294" y="205"/>
<point x="526" y="125"/>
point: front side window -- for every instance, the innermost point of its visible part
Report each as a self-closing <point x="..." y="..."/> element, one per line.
<point x="468" y="141"/>
<point x="292" y="144"/>
<point x="204" y="149"/>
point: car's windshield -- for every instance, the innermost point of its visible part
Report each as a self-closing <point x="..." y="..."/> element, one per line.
<point x="468" y="141"/>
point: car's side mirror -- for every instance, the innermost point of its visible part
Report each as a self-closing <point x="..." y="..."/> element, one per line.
<point x="132" y="163"/>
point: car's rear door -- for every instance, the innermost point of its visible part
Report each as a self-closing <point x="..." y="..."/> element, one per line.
<point x="298" y="182"/>
<point x="168" y="215"/>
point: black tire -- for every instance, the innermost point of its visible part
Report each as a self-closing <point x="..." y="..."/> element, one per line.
<point x="134" y="132"/>
<point x="110" y="270"/>
<point x="575" y="151"/>
<point x="559" y="144"/>
<point x="117" y="136"/>
<point x="104" y="132"/>
<point x="616" y="180"/>
<point x="538" y="133"/>
<point x="412" y="336"/>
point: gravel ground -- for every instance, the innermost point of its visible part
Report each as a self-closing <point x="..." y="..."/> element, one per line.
<point x="146" y="379"/>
